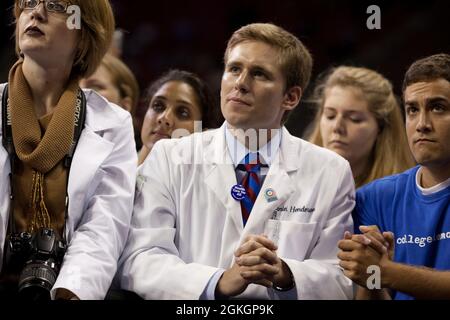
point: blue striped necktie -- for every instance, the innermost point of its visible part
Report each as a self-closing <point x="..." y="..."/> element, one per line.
<point x="251" y="183"/>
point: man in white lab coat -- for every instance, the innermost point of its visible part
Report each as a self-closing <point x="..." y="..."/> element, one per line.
<point x="247" y="210"/>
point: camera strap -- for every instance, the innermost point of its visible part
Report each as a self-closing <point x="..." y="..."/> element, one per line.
<point x="8" y="143"/>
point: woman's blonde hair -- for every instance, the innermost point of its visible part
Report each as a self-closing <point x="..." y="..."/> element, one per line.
<point x="97" y="28"/>
<point x="391" y="153"/>
<point x="123" y="79"/>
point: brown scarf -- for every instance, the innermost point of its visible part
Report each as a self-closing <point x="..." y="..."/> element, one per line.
<point x="42" y="153"/>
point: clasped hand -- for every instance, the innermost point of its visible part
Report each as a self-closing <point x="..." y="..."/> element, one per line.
<point x="360" y="251"/>
<point x="257" y="262"/>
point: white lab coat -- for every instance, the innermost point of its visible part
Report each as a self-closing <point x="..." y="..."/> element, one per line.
<point x="186" y="225"/>
<point x="101" y="191"/>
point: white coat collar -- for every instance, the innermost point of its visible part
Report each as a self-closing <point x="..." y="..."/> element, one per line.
<point x="215" y="149"/>
<point x="238" y="151"/>
<point x="221" y="178"/>
<point x="100" y="116"/>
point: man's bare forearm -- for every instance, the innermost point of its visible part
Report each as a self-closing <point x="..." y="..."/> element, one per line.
<point x="419" y="282"/>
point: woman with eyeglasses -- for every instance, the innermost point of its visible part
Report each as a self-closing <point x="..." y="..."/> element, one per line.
<point x="66" y="191"/>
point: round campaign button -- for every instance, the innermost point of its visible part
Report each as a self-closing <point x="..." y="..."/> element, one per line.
<point x="238" y="192"/>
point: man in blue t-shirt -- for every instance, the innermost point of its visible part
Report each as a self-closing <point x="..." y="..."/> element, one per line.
<point x="409" y="211"/>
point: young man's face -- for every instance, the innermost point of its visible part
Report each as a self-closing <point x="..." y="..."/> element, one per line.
<point x="253" y="87"/>
<point x="427" y="106"/>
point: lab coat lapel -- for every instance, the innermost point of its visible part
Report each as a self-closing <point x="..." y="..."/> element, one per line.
<point x="83" y="171"/>
<point x="279" y="180"/>
<point x="4" y="185"/>
<point x="222" y="177"/>
<point x="4" y="182"/>
<point x="280" y="183"/>
<point x="4" y="198"/>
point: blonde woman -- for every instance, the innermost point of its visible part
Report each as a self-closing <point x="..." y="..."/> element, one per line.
<point x="65" y="160"/>
<point x="359" y="118"/>
<point x="116" y="82"/>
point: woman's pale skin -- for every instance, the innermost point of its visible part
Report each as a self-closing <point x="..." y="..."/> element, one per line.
<point x="102" y="82"/>
<point x="49" y="50"/>
<point x="348" y="127"/>
<point x="47" y="63"/>
<point x="171" y="113"/>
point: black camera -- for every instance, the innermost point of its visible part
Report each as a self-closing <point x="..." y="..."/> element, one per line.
<point x="38" y="257"/>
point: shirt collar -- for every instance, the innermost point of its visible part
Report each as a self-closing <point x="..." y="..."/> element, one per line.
<point x="238" y="151"/>
<point x="434" y="189"/>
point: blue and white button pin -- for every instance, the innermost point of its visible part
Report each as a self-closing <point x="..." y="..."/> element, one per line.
<point x="238" y="192"/>
<point x="270" y="195"/>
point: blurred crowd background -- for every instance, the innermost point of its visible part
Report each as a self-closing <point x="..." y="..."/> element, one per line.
<point x="192" y="35"/>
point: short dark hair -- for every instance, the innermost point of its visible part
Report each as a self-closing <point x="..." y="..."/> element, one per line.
<point x="211" y="118"/>
<point x="428" y="69"/>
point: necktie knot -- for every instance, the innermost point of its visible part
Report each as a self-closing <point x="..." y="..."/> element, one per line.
<point x="249" y="168"/>
<point x="251" y="163"/>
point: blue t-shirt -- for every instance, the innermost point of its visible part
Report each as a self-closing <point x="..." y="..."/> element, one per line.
<point x="420" y="223"/>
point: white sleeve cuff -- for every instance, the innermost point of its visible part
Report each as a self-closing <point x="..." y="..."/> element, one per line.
<point x="209" y="292"/>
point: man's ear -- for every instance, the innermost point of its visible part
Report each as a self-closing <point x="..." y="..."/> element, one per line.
<point x="292" y="98"/>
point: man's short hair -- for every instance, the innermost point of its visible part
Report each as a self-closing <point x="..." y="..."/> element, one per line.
<point x="294" y="58"/>
<point x="428" y="69"/>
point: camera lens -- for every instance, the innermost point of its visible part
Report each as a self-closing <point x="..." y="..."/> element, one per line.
<point x="36" y="281"/>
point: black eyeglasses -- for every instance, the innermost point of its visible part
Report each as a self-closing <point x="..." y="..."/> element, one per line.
<point x="52" y="6"/>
